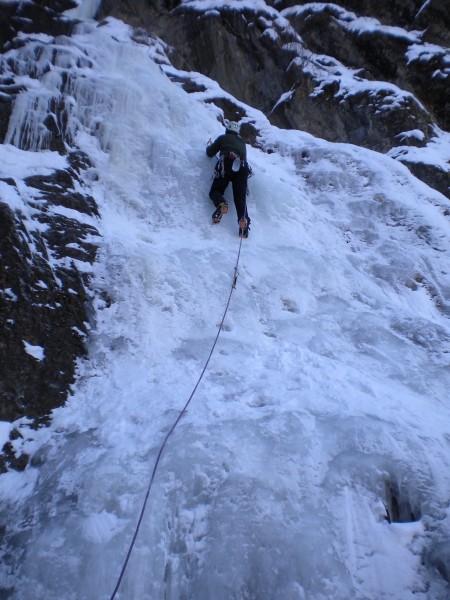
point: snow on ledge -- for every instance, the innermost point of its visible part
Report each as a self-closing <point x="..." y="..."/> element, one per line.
<point x="5" y="428"/>
<point x="36" y="352"/>
<point x="257" y="6"/>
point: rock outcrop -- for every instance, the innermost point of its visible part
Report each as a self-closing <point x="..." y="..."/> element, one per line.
<point x="48" y="235"/>
<point x="43" y="296"/>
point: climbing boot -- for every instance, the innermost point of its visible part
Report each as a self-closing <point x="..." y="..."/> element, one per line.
<point x="244" y="227"/>
<point x="222" y="209"/>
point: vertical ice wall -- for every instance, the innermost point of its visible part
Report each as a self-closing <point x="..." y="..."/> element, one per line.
<point x="316" y="401"/>
<point x="62" y="94"/>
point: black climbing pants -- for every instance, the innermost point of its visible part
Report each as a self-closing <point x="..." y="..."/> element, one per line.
<point x="223" y="174"/>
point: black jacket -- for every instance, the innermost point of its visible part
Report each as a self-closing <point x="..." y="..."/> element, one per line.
<point x="228" y="142"/>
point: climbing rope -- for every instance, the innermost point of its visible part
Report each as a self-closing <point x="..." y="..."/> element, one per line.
<point x="174" y="425"/>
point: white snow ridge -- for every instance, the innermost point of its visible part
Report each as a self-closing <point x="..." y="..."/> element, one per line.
<point x="314" y="461"/>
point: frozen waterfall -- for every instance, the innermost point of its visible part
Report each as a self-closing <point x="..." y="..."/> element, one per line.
<point x="324" y="412"/>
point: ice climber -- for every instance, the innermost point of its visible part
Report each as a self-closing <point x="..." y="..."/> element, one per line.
<point x="231" y="166"/>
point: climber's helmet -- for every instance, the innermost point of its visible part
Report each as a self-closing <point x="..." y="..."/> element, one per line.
<point x="233" y="126"/>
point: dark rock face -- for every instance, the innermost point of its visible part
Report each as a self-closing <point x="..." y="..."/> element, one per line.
<point x="36" y="309"/>
<point x="366" y="117"/>
<point x="225" y="49"/>
<point x="432" y="175"/>
<point x="311" y="66"/>
<point x="44" y="246"/>
<point x="33" y="17"/>
<point x="381" y="55"/>
<point x="432" y="17"/>
<point x="43" y="296"/>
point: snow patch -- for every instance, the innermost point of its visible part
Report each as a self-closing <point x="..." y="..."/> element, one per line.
<point x="36" y="352"/>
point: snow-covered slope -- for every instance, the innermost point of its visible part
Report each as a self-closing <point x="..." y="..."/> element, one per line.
<point x="324" y="410"/>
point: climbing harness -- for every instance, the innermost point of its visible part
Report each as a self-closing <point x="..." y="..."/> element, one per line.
<point x="174" y="425"/>
<point x="219" y="169"/>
